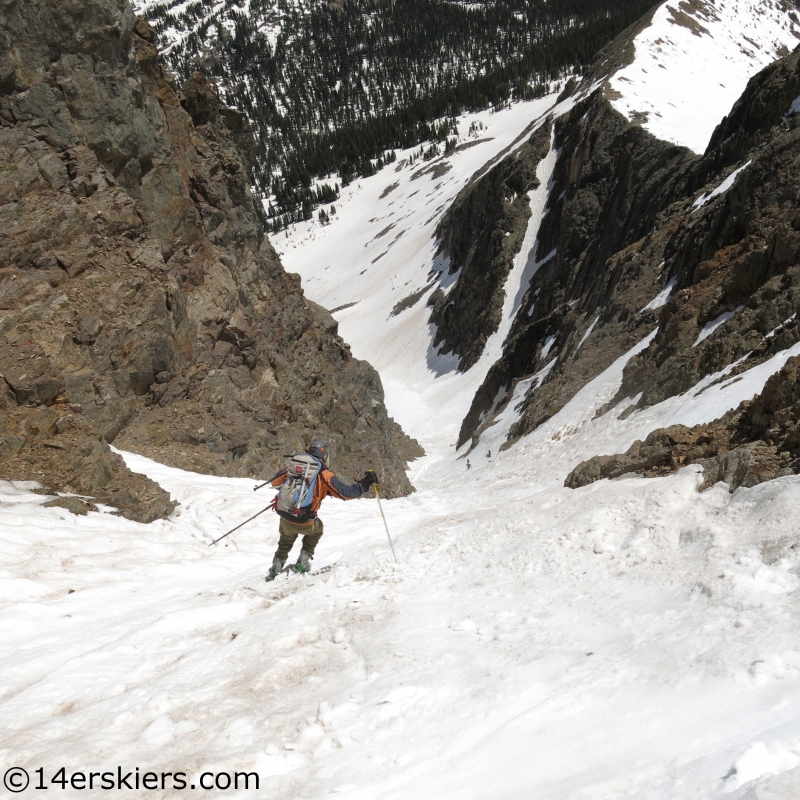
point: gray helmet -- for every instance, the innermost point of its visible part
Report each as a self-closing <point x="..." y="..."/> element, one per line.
<point x="319" y="449"/>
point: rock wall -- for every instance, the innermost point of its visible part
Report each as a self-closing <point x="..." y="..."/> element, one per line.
<point x="756" y="442"/>
<point x="611" y="181"/>
<point x="735" y="258"/>
<point x="480" y="234"/>
<point x="631" y="217"/>
<point x="736" y="254"/>
<point x="141" y="303"/>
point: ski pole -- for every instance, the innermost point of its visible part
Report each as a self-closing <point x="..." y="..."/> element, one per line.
<point x="266" y="483"/>
<point x="385" y="524"/>
<point x="271" y="505"/>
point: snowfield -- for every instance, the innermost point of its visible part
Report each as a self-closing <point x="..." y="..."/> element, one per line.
<point x="631" y="639"/>
<point x="380" y="249"/>
<point x="694" y="60"/>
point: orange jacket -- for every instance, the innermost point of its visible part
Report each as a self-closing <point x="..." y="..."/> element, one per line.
<point x="327" y="484"/>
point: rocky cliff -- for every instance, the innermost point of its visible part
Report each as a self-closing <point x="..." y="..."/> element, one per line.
<point x="480" y="234"/>
<point x="756" y="442"/>
<point x="642" y="236"/>
<point x="735" y="265"/>
<point x="611" y="181"/>
<point x="734" y="255"/>
<point x="141" y="303"/>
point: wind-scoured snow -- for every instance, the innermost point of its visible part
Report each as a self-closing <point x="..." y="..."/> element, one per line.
<point x="694" y="60"/>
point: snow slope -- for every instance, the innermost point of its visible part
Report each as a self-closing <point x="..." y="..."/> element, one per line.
<point x="695" y="59"/>
<point x="630" y="639"/>
<point x="380" y="248"/>
<point x="633" y="638"/>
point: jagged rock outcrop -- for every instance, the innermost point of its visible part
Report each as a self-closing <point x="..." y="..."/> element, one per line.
<point x="756" y="442"/>
<point x="62" y="450"/>
<point x="141" y="302"/>
<point x="631" y="217"/>
<point x="481" y="233"/>
<point x="738" y="254"/>
<point x="611" y="181"/>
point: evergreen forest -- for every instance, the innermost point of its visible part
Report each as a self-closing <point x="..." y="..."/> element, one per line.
<point x="334" y="88"/>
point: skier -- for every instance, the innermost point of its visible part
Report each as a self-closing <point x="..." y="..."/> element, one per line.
<point x="326" y="483"/>
<point x="468" y="464"/>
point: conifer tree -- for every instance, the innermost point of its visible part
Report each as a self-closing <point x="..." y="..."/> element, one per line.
<point x="332" y="90"/>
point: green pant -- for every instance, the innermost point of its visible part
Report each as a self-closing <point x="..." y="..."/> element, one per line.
<point x="289" y="532"/>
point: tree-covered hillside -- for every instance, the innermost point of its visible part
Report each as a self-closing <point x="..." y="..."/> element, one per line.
<point x="333" y="87"/>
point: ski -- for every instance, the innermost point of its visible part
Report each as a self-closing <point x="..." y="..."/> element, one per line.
<point x="317" y="567"/>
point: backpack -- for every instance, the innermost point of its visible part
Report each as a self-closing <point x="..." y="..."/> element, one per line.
<point x="293" y="502"/>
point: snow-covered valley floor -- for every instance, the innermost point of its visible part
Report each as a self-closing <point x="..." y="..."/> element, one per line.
<point x="634" y="638"/>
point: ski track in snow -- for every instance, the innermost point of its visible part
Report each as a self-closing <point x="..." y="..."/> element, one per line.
<point x="633" y="638"/>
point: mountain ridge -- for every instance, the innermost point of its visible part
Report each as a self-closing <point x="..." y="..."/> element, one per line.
<point x="723" y="260"/>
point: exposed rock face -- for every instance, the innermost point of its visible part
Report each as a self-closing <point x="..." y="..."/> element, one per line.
<point x="481" y="233"/>
<point x="140" y="299"/>
<point x="610" y="183"/>
<point x="758" y="441"/>
<point x="61" y="450"/>
<point x="738" y="253"/>
<point x="631" y="217"/>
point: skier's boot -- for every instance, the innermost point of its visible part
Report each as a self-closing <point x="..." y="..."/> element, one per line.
<point x="303" y="563"/>
<point x="274" y="570"/>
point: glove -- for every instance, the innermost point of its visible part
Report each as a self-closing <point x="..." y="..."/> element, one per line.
<point x="368" y="480"/>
